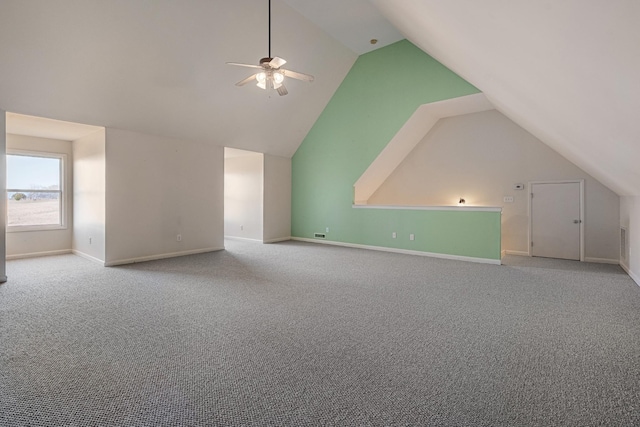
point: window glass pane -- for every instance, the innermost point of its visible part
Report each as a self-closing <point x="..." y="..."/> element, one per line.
<point x="28" y="172"/>
<point x="33" y="211"/>
<point x="35" y="198"/>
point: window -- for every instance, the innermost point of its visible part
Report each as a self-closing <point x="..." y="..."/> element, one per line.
<point x="35" y="198"/>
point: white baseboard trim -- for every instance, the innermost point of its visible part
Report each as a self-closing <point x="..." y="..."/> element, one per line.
<point x="245" y="239"/>
<point x="160" y="256"/>
<point x="278" y="239"/>
<point x="634" y="277"/>
<point x="517" y="253"/>
<point x="602" y="260"/>
<point x="586" y="259"/>
<point x="38" y="254"/>
<point x="87" y="256"/>
<point x="624" y="266"/>
<point x="401" y="251"/>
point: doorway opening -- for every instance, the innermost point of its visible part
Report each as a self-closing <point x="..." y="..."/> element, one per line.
<point x="243" y="194"/>
<point x="257" y="196"/>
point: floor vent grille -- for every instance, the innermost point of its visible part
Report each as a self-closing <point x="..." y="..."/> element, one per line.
<point x="319" y="235"/>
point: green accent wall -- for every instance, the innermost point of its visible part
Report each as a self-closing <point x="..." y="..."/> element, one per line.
<point x="379" y="94"/>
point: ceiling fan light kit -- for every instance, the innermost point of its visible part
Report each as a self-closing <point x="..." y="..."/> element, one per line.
<point x="271" y="75"/>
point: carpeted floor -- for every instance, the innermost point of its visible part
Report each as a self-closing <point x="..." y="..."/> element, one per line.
<point x="301" y="334"/>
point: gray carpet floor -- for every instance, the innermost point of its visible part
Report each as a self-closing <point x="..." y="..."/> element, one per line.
<point x="302" y="334"/>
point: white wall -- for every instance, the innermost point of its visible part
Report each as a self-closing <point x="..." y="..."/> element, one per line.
<point x="277" y="198"/>
<point x="22" y="243"/>
<point x="243" y="194"/>
<point x="157" y="188"/>
<point x="630" y="219"/>
<point x="89" y="192"/>
<point x="479" y="157"/>
<point x="257" y="200"/>
<point x="3" y="188"/>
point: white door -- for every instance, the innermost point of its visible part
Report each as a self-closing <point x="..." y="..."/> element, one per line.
<point x="555" y="220"/>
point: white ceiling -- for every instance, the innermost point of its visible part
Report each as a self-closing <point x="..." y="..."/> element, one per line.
<point x="565" y="71"/>
<point x="354" y="23"/>
<point x="20" y="124"/>
<point x="158" y="67"/>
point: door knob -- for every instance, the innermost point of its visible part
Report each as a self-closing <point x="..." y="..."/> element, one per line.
<point x="576" y="221"/>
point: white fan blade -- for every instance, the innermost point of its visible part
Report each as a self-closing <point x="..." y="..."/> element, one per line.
<point x="277" y="62"/>
<point x="244" y="65"/>
<point x="299" y="76"/>
<point x="282" y="91"/>
<point x="247" y="80"/>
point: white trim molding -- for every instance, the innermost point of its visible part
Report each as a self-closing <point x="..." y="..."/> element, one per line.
<point x="631" y="274"/>
<point x="277" y="240"/>
<point x="402" y="251"/>
<point x="39" y="254"/>
<point x="516" y="253"/>
<point x="87" y="256"/>
<point x="160" y="256"/>
<point x="432" y="208"/>
<point x="245" y="239"/>
<point x="602" y="260"/>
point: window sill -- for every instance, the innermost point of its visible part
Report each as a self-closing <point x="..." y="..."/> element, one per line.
<point x="29" y="228"/>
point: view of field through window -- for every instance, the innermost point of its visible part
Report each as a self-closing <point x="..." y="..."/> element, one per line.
<point x="33" y="190"/>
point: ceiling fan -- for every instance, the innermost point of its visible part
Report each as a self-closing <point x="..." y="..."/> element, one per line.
<point x="271" y="75"/>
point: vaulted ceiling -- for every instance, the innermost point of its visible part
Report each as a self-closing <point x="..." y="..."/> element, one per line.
<point x="565" y="71"/>
<point x="158" y="67"/>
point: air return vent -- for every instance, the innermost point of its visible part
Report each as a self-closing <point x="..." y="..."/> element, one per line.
<point x="623" y="244"/>
<point x="319" y="235"/>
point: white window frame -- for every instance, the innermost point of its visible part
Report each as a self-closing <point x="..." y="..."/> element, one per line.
<point x="63" y="194"/>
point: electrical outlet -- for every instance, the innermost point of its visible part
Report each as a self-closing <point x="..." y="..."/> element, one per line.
<point x="326" y="230"/>
<point x="90" y="240"/>
<point x="241" y="227"/>
<point x="412" y="237"/>
<point x="179" y="238"/>
<point x="394" y="235"/>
